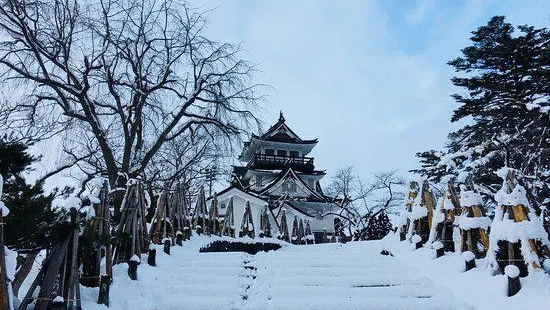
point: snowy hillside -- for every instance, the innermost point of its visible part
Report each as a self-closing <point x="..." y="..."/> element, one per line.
<point x="325" y="276"/>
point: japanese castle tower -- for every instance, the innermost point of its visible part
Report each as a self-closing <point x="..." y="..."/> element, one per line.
<point x="277" y="173"/>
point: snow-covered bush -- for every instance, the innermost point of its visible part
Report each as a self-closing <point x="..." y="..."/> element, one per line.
<point x="515" y="230"/>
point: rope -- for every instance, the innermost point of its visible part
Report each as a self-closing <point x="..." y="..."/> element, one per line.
<point x="48" y="299"/>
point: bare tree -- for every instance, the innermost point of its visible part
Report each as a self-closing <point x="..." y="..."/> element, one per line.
<point x="388" y="190"/>
<point x="120" y="79"/>
<point x="350" y="193"/>
<point x="358" y="199"/>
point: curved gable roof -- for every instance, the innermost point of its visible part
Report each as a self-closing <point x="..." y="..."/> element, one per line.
<point x="289" y="173"/>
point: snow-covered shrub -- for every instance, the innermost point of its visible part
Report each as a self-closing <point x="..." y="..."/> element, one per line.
<point x="515" y="230"/>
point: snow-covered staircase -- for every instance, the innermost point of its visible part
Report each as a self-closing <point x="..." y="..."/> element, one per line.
<point x="323" y="277"/>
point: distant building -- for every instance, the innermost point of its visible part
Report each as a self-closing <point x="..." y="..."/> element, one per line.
<point x="278" y="174"/>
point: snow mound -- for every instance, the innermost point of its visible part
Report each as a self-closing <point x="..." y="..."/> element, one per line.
<point x="511" y="271"/>
<point x="416" y="239"/>
<point x="437" y="245"/>
<point x="468" y="256"/>
<point x="135" y="258"/>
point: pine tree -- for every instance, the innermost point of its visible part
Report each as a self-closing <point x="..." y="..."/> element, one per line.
<point x="505" y="74"/>
<point x="31" y="219"/>
<point x="378" y="226"/>
<point x="32" y="224"/>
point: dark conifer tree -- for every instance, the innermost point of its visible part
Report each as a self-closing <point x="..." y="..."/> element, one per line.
<point x="505" y="75"/>
<point x="378" y="226"/>
<point x="32" y="224"/>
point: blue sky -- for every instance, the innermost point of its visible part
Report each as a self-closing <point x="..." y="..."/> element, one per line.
<point x="368" y="78"/>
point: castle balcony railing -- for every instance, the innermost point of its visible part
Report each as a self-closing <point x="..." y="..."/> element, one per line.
<point x="262" y="161"/>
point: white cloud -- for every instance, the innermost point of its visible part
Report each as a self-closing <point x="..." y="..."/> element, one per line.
<point x="341" y="73"/>
<point x="419" y="12"/>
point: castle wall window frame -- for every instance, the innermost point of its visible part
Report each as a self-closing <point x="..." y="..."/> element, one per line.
<point x="283" y="153"/>
<point x="294" y="154"/>
<point x="270" y="152"/>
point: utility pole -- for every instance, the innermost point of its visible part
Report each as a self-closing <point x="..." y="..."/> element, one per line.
<point x="210" y="174"/>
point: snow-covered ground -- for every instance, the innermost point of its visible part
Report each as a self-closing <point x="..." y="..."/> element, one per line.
<point x="326" y="276"/>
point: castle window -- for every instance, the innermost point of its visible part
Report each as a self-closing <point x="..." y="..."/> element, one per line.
<point x="222" y="206"/>
<point x="294" y="154"/>
<point x="259" y="180"/>
<point x="281" y="152"/>
<point x="269" y="152"/>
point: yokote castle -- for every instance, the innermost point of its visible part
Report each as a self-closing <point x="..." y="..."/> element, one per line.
<point x="277" y="173"/>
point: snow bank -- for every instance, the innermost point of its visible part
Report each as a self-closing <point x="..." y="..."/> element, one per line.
<point x="479" y="286"/>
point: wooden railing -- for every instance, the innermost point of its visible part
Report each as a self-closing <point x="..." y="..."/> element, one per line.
<point x="277" y="161"/>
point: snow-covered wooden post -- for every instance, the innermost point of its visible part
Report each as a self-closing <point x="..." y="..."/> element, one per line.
<point x="247" y="224"/>
<point x="201" y="213"/>
<point x="294" y="237"/>
<point x="187" y="220"/>
<point x="469" y="260"/>
<point x="178" y="212"/>
<point x="162" y="226"/>
<point x="417" y="241"/>
<point x="516" y="233"/>
<point x="405" y="218"/>
<point x="283" y="227"/>
<point x="443" y="220"/>
<point x="310" y="239"/>
<point x="96" y="232"/>
<point x="132" y="267"/>
<point x="439" y="249"/>
<point x="301" y="232"/>
<point x="131" y="233"/>
<point x="420" y="217"/>
<point x="265" y="224"/>
<point x="59" y="273"/>
<point x="514" y="284"/>
<point x="473" y="224"/>
<point x="214" y="217"/>
<point x="325" y="236"/>
<point x="228" y="227"/>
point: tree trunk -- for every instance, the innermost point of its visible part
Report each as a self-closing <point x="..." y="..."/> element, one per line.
<point x="24" y="271"/>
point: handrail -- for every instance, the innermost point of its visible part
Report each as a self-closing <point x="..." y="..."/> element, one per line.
<point x="302" y="161"/>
